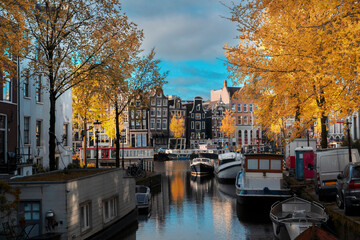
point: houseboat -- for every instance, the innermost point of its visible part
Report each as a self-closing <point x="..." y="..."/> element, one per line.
<point x="228" y="166"/>
<point x="260" y="182"/>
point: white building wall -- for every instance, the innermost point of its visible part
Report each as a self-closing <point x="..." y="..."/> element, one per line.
<point x="40" y="111"/>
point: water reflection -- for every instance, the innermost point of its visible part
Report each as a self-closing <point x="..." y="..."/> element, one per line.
<point x="188" y="207"/>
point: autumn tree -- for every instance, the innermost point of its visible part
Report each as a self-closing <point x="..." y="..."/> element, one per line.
<point x="177" y="127"/>
<point x="70" y="38"/>
<point x="228" y="124"/>
<point x="87" y="108"/>
<point x="128" y="78"/>
<point x="298" y="58"/>
<point x="13" y="38"/>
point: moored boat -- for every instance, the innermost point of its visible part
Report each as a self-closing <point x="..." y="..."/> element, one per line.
<point x="201" y="166"/>
<point x="143" y="198"/>
<point x="228" y="166"/>
<point x="260" y="182"/>
<point x="293" y="216"/>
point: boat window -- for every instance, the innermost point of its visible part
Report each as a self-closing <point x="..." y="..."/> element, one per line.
<point x="264" y="164"/>
<point x="252" y="164"/>
<point x="276" y="164"/>
<point x="226" y="161"/>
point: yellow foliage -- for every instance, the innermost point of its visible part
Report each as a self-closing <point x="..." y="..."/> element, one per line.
<point x="298" y="59"/>
<point x="228" y="124"/>
<point x="177" y="125"/>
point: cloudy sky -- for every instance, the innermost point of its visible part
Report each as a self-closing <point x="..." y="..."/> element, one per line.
<point x="188" y="37"/>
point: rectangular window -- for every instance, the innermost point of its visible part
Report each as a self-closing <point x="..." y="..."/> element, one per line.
<point x="27" y="86"/>
<point x="197" y="116"/>
<point x="165" y="102"/>
<point x="252" y="164"/>
<point x="233" y="107"/>
<point x="38" y="133"/>
<point x="197" y="125"/>
<point x="152" y="112"/>
<point x="153" y="102"/>
<point x="26" y="130"/>
<point x="158" y="123"/>
<point x="192" y="115"/>
<point x="251" y="107"/>
<point x="264" y="164"/>
<point x="239" y="120"/>
<point x="203" y="125"/>
<point x="110" y="209"/>
<point x="158" y="102"/>
<point x="85" y="219"/>
<point x="7" y="90"/>
<point x="65" y="134"/>
<point x="192" y="125"/>
<point x="158" y="112"/>
<point x="138" y="140"/>
<point x="275" y="164"/>
<point x="144" y="124"/>
<point x="144" y="140"/>
<point x="132" y="124"/>
<point x="164" y="112"/>
<point x="164" y="124"/>
<point x="245" y="120"/>
<point x="245" y="107"/>
<point x="152" y="124"/>
<point x="239" y="107"/>
<point x="38" y="96"/>
<point x="2" y="138"/>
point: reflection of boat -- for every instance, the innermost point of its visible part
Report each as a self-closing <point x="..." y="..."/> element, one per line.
<point x="260" y="182"/>
<point x="228" y="166"/>
<point x="201" y="166"/>
<point x="143" y="198"/>
<point x="201" y="179"/>
<point x="294" y="215"/>
<point x="227" y="190"/>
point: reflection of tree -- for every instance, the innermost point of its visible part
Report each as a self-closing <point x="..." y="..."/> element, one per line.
<point x="177" y="188"/>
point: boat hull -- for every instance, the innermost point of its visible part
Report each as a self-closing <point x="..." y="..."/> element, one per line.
<point x="201" y="169"/>
<point x="227" y="172"/>
<point x="261" y="198"/>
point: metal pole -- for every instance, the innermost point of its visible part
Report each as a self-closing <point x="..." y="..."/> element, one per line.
<point x="349" y="139"/>
<point x="122" y="157"/>
<point x="308" y="140"/>
<point x="97" y="148"/>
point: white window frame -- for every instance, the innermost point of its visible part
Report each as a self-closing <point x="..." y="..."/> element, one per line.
<point x="245" y="107"/>
<point x="111" y="211"/>
<point x="239" y="107"/>
<point x="251" y="107"/>
<point x="27" y="130"/>
<point x="85" y="216"/>
<point x="192" y="124"/>
<point x="158" y="124"/>
<point x="203" y="124"/>
<point x="164" y="124"/>
<point x="153" y="102"/>
<point x="152" y="124"/>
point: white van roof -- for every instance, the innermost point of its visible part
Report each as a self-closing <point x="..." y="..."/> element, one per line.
<point x="307" y="149"/>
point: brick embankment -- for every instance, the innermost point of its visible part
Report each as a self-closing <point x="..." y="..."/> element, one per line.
<point x="345" y="227"/>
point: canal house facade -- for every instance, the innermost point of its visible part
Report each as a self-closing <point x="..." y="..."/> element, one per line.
<point x="159" y="119"/>
<point x="198" y="122"/>
<point x="8" y="122"/>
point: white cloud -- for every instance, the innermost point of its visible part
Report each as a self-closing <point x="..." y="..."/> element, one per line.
<point x="182" y="30"/>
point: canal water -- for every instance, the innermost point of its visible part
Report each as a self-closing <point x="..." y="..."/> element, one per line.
<point x="197" y="208"/>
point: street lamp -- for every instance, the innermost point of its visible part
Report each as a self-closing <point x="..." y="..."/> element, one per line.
<point x="348" y="124"/>
<point x="97" y="143"/>
<point x="123" y="136"/>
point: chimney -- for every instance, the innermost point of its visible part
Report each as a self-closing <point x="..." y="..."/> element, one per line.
<point x="225" y="84"/>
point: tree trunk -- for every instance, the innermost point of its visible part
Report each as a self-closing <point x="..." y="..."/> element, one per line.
<point x="324" y="133"/>
<point x="117" y="140"/>
<point x="52" y="136"/>
<point x="85" y="141"/>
